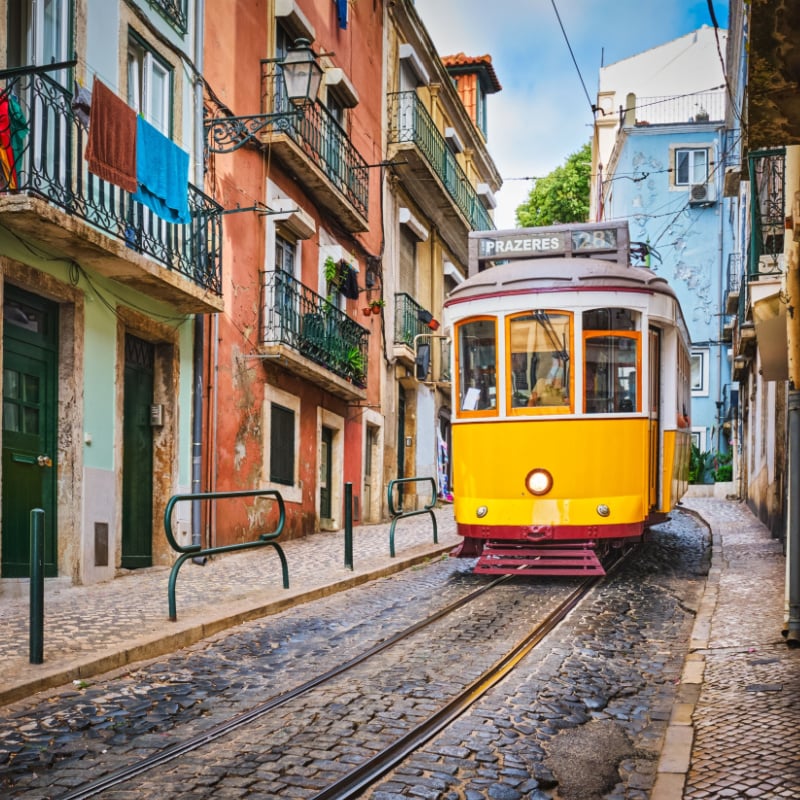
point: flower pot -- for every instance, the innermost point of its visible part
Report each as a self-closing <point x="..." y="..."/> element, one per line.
<point x="366" y="311"/>
<point x="376" y="309"/>
<point x="434" y="325"/>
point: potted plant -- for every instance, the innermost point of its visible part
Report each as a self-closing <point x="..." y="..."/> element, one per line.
<point x="355" y="363"/>
<point x="376" y="305"/>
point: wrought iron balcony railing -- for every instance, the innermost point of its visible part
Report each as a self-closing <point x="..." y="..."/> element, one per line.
<point x="409" y="121"/>
<point x="734" y="272"/>
<point x="407" y="323"/>
<point x="298" y="317"/>
<point x="321" y="138"/>
<point x="173" y="11"/>
<point x="50" y="164"/>
<point x="767" y="212"/>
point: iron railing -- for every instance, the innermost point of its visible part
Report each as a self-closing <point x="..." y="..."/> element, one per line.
<point x="767" y="209"/>
<point x="409" y="121"/>
<point x="694" y="107"/>
<point x="321" y="138"/>
<point x="50" y="164"/>
<point x="174" y="12"/>
<point x="734" y="272"/>
<point x="407" y="322"/>
<point x="296" y="316"/>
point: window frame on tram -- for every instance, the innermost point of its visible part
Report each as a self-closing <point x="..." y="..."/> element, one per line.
<point x="479" y="388"/>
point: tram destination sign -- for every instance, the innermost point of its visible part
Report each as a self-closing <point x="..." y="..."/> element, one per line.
<point x="601" y="240"/>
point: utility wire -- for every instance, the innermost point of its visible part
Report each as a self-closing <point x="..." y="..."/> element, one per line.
<point x="592" y="106"/>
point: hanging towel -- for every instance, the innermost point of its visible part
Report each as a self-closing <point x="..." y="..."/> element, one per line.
<point x="162" y="174"/>
<point x="349" y="287"/>
<point x="82" y="104"/>
<point x="19" y="127"/>
<point x="111" y="146"/>
<point x="341" y="13"/>
<point x="8" y="169"/>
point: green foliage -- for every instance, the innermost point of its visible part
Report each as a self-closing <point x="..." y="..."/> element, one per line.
<point x="562" y="196"/>
<point x="723" y="468"/>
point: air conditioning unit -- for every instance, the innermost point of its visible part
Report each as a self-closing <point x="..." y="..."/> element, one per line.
<point x="701" y="194"/>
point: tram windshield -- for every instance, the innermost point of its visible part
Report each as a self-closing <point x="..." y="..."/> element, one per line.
<point x="539" y="359"/>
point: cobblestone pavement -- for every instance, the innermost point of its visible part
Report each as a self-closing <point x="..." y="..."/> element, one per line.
<point x="603" y="687"/>
<point x="731" y="733"/>
<point x="746" y="739"/>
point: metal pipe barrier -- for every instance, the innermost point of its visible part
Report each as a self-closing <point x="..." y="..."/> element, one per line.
<point x="197" y="551"/>
<point x="36" y="649"/>
<point x="398" y="513"/>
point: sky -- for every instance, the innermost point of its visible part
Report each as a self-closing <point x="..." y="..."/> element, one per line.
<point x="543" y="115"/>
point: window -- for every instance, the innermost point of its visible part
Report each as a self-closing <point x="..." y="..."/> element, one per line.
<point x="611" y="377"/>
<point x="539" y="361"/>
<point x="281" y="441"/>
<point x="149" y="85"/>
<point x="477" y="359"/>
<point x="691" y="166"/>
<point x="282" y="445"/>
<point x="285" y="252"/>
<point x="699" y="373"/>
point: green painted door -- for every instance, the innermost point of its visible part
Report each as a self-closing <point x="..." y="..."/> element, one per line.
<point x="137" y="455"/>
<point x="325" y="473"/>
<point x="30" y="378"/>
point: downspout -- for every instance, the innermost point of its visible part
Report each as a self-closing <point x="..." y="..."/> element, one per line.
<point x="199" y="320"/>
<point x="793" y="456"/>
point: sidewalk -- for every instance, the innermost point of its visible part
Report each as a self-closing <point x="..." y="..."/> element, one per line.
<point x="733" y="730"/>
<point x="104" y="626"/>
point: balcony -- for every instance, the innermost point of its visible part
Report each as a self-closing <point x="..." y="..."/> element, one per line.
<point x="51" y="198"/>
<point x="431" y="173"/>
<point x="312" y="338"/>
<point x="319" y="153"/>
<point x="407" y="326"/>
<point x="734" y="282"/>
<point x="671" y="110"/>
<point x="173" y="11"/>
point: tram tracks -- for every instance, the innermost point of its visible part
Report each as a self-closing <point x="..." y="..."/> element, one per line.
<point x="374" y="767"/>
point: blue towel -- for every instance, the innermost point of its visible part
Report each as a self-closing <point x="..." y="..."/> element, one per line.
<point x="162" y="174"/>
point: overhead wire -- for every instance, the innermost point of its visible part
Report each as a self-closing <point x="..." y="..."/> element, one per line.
<point x="592" y="106"/>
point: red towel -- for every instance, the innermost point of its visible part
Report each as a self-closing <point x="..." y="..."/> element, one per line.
<point x="111" y="147"/>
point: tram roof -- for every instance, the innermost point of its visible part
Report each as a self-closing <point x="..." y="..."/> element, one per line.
<point x="558" y="274"/>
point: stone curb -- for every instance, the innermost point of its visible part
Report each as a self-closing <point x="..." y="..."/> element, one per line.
<point x="676" y="752"/>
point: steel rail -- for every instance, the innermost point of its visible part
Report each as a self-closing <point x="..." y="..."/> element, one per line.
<point x="223" y="728"/>
<point x="353" y="784"/>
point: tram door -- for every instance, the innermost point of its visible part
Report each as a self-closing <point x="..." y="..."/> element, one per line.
<point x="654" y="344"/>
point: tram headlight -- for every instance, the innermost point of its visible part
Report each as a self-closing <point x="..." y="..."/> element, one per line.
<point x="539" y="481"/>
<point x="481" y="511"/>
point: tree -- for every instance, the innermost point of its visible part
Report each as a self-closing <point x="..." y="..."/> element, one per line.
<point x="562" y="196"/>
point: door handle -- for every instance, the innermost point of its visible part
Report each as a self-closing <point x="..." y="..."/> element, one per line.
<point x="44" y="461"/>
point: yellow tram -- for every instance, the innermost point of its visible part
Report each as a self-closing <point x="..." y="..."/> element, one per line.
<point x="571" y="399"/>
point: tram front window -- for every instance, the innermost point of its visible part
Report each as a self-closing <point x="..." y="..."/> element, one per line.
<point x="477" y="365"/>
<point x="610" y="380"/>
<point x="539" y="359"/>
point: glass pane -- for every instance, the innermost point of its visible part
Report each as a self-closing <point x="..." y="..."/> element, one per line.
<point x="11" y="384"/>
<point x="11" y="417"/>
<point x="158" y="96"/>
<point x="682" y="167"/>
<point x="30" y="388"/>
<point x="31" y="420"/>
<point x="699" y="171"/>
<point x="22" y="316"/>
<point x="477" y="346"/>
<point x="539" y="346"/>
<point x="610" y="380"/>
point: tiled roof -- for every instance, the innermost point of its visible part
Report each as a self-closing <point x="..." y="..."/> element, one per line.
<point x="482" y="64"/>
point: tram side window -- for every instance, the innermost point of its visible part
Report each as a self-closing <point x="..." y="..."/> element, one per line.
<point x="539" y="354"/>
<point x="477" y="365"/>
<point x="610" y="380"/>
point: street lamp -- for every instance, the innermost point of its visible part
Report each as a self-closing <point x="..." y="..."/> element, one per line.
<point x="302" y="76"/>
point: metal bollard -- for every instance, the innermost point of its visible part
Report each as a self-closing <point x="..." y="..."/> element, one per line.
<point x="348" y="525"/>
<point x="37" y="587"/>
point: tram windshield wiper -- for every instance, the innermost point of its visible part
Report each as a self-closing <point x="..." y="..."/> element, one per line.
<point x="543" y="319"/>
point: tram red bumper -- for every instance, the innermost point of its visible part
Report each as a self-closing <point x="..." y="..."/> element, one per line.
<point x="551" y="533"/>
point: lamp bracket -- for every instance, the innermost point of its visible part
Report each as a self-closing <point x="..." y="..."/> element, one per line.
<point x="228" y="133"/>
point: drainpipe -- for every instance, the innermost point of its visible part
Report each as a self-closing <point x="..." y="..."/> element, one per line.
<point x="199" y="321"/>
<point x="793" y="456"/>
